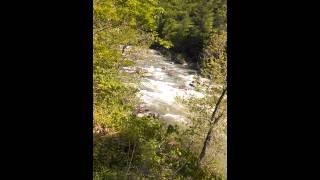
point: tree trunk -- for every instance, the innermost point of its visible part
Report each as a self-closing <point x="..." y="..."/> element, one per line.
<point x="214" y="120"/>
<point x="217" y="106"/>
<point x="208" y="139"/>
<point x="205" y="144"/>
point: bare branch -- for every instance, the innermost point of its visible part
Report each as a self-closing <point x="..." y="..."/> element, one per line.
<point x="134" y="147"/>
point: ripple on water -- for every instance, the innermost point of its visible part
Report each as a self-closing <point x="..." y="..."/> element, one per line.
<point x="164" y="81"/>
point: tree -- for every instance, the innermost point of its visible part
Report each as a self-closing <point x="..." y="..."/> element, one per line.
<point x="209" y="113"/>
<point x="189" y="24"/>
<point x="215" y="67"/>
<point x="216" y="116"/>
<point x="128" y="146"/>
<point x="117" y="132"/>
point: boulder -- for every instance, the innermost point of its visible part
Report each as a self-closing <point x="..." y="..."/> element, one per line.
<point x="179" y="58"/>
<point x="154" y="115"/>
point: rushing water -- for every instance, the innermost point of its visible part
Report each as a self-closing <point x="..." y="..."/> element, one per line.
<point x="162" y="82"/>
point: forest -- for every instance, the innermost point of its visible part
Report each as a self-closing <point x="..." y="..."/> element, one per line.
<point x="192" y="34"/>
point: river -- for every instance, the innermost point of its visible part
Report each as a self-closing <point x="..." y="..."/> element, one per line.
<point x="162" y="82"/>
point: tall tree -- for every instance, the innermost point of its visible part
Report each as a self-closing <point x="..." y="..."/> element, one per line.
<point x="214" y="65"/>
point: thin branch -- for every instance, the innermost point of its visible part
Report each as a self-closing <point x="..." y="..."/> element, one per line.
<point x="134" y="147"/>
<point x="128" y="153"/>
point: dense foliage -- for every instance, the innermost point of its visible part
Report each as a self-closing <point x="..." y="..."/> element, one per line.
<point x="127" y="146"/>
<point x="189" y="24"/>
<point x="116" y="23"/>
<point x="209" y="114"/>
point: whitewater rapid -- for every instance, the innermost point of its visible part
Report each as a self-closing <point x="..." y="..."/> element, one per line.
<point x="163" y="81"/>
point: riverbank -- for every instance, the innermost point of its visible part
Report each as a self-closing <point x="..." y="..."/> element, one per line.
<point x="178" y="58"/>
